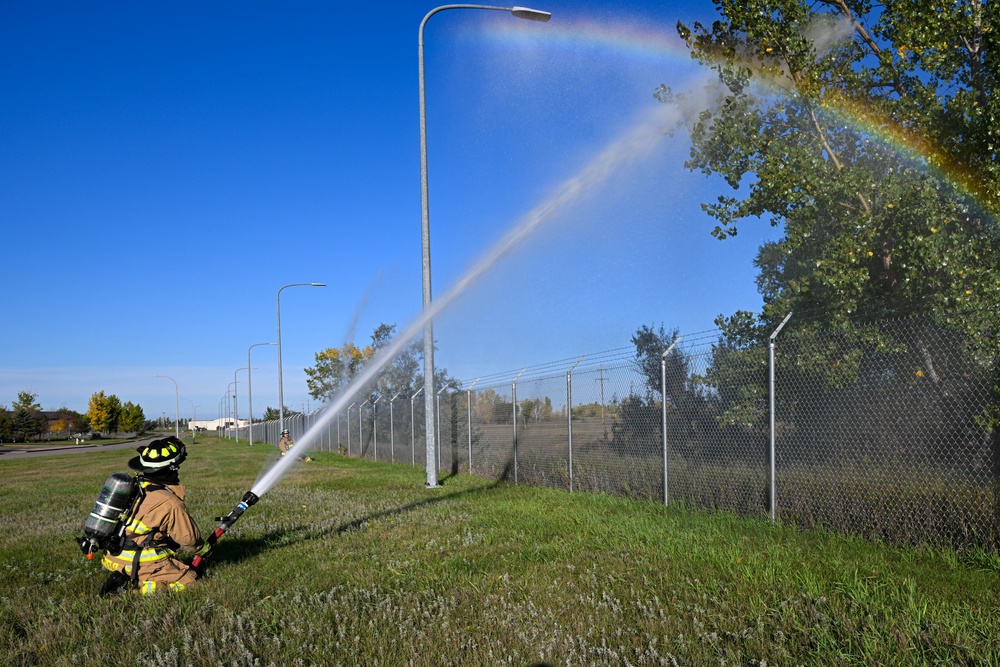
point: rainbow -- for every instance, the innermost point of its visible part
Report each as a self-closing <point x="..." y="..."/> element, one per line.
<point x="654" y="44"/>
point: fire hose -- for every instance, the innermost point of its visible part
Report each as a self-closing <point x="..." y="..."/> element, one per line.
<point x="249" y="498"/>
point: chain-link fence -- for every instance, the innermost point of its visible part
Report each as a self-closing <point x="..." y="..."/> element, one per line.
<point x="885" y="430"/>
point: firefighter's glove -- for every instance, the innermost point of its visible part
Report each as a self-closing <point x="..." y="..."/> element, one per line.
<point x="206" y="550"/>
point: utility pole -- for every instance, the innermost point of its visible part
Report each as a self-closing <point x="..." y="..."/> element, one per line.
<point x="601" y="380"/>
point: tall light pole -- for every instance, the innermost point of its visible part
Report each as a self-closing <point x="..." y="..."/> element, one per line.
<point x="250" y="389"/>
<point x="425" y="230"/>
<point x="281" y="395"/>
<point x="177" y="402"/>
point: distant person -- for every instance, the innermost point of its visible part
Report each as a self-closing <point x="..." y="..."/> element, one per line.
<point x="160" y="525"/>
<point x="286" y="443"/>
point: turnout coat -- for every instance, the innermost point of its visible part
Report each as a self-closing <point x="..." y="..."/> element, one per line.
<point x="161" y="526"/>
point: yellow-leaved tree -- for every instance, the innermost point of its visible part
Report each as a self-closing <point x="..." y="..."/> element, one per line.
<point x="99" y="411"/>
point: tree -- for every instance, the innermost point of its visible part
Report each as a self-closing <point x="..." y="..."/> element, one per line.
<point x="78" y="422"/>
<point x="26" y="401"/>
<point x="104" y="412"/>
<point x="492" y="408"/>
<point x="809" y="125"/>
<point x="6" y="424"/>
<point x="272" y="414"/>
<point x="650" y="344"/>
<point x="132" y="419"/>
<point x="336" y="367"/>
<point x="27" y="421"/>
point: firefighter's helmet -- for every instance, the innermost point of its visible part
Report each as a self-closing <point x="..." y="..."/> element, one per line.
<point x="159" y="455"/>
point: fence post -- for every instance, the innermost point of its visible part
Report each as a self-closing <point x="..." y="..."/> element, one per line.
<point x="569" y="418"/>
<point x="361" y="430"/>
<point x="663" y="401"/>
<point x="513" y="411"/>
<point x="437" y="439"/>
<point x="468" y="403"/>
<point x="349" y="426"/>
<point x="413" y="430"/>
<point x="392" y="430"/>
<point x="770" y="368"/>
<point x="375" y="423"/>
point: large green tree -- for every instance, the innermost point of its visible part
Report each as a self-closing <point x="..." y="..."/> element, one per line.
<point x="27" y="420"/>
<point x="869" y="134"/>
<point x="132" y="418"/>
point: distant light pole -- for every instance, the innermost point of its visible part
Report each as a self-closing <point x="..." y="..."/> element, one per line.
<point x="177" y="409"/>
<point x="231" y="387"/>
<point x="236" y="412"/>
<point x="250" y="389"/>
<point x="194" y="409"/>
<point x="281" y="395"/>
<point x="425" y="229"/>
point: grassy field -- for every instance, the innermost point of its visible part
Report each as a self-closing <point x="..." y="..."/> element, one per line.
<point x="349" y="562"/>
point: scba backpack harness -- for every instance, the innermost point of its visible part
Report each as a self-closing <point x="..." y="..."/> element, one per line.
<point x="113" y="515"/>
<point x="113" y="518"/>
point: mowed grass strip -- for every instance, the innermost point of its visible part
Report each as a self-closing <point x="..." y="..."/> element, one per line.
<point x="350" y="562"/>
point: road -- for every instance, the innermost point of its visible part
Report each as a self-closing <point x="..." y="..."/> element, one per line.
<point x="10" y="452"/>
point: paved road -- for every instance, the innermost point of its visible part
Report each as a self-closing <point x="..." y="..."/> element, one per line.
<point x="11" y="452"/>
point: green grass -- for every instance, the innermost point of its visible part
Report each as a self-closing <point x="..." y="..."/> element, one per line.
<point x="350" y="562"/>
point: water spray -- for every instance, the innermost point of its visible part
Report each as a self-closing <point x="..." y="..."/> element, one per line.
<point x="627" y="148"/>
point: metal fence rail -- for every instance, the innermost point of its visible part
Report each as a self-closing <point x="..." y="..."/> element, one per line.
<point x="882" y="431"/>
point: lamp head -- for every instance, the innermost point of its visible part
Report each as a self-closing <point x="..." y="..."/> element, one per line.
<point x="531" y="14"/>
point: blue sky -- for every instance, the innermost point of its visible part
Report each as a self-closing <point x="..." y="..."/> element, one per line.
<point x="166" y="168"/>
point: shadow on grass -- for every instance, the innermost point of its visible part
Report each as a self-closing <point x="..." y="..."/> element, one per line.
<point x="239" y="549"/>
<point x="396" y="511"/>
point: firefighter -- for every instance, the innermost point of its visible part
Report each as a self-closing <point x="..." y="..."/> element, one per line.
<point x="286" y="442"/>
<point x="159" y="527"/>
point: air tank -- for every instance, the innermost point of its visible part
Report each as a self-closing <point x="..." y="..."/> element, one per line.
<point x="116" y="497"/>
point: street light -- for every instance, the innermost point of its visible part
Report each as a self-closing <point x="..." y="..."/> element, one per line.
<point x="250" y="389"/>
<point x="236" y="412"/>
<point x="177" y="402"/>
<point x="194" y="409"/>
<point x="281" y="395"/>
<point x="231" y="385"/>
<point x="425" y="228"/>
